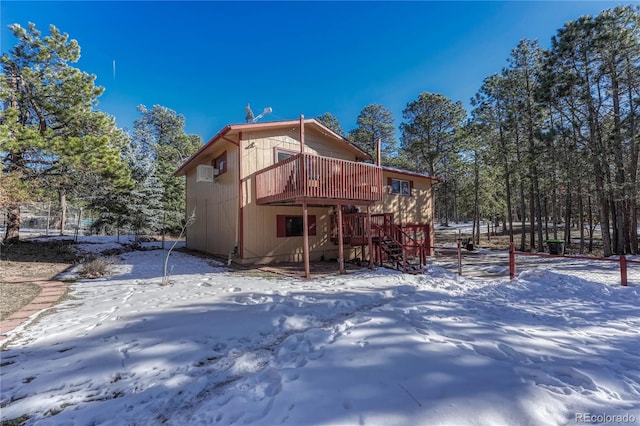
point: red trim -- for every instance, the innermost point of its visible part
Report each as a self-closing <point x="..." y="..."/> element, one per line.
<point x="222" y="158"/>
<point x="276" y="150"/>
<point x="218" y="136"/>
<point x="312" y="224"/>
<point x="281" y="226"/>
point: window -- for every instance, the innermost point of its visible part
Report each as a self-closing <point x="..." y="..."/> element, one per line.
<point x="400" y="187"/>
<point x="291" y="226"/>
<point x="283" y="155"/>
<point x="220" y="163"/>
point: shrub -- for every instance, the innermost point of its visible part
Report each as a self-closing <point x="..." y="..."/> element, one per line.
<point x="96" y="268"/>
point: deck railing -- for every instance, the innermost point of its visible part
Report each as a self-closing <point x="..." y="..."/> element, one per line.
<point x="354" y="226"/>
<point x="307" y="176"/>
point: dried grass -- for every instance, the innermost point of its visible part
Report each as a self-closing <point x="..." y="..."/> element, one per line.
<point x="96" y="268"/>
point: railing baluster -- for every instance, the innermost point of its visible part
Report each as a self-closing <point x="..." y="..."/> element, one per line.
<point x="313" y="176"/>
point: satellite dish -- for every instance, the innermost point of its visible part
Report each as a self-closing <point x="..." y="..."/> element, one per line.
<point x="251" y="119"/>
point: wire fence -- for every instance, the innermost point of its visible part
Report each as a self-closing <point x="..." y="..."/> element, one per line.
<point x="43" y="219"/>
<point x="471" y="262"/>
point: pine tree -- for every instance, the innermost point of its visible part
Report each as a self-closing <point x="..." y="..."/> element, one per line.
<point x="429" y="136"/>
<point x="375" y="122"/>
<point x="160" y="131"/>
<point x="331" y="121"/>
<point x="50" y="133"/>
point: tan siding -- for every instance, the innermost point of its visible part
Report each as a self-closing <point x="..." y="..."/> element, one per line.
<point x="258" y="148"/>
<point x="261" y="242"/>
<point x="214" y="230"/>
<point x="217" y="203"/>
<point x="417" y="208"/>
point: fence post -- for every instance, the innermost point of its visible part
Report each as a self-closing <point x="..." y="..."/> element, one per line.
<point x="459" y="258"/>
<point x="512" y="261"/>
<point x="623" y="270"/>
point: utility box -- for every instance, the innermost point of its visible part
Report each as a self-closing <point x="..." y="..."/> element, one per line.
<point x="556" y="247"/>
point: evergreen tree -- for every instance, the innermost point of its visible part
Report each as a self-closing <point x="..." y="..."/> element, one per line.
<point x="375" y="122"/>
<point x="160" y="132"/>
<point x="138" y="207"/>
<point x="50" y="133"/>
<point x="331" y="121"/>
<point x="430" y="136"/>
<point x="591" y="80"/>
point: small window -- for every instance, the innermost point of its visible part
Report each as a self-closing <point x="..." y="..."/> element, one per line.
<point x="292" y="226"/>
<point x="220" y="163"/>
<point x="283" y="155"/>
<point x="400" y="187"/>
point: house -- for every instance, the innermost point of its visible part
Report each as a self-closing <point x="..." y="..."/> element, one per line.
<point x="277" y="192"/>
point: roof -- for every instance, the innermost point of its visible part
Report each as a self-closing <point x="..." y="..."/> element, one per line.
<point x="409" y="173"/>
<point x="236" y="128"/>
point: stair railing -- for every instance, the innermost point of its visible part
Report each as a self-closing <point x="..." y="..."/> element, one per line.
<point x="399" y="237"/>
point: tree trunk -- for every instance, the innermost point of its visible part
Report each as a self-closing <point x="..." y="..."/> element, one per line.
<point x="538" y="210"/>
<point x="507" y="180"/>
<point x="476" y="198"/>
<point x="532" y="217"/>
<point x="568" y="213"/>
<point x="12" y="232"/>
<point x="581" y="221"/>
<point x="591" y="224"/>
<point x="633" y="160"/>
<point x="62" y="197"/>
<point x="619" y="187"/>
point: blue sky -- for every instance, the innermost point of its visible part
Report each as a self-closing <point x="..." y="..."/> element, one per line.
<point x="207" y="60"/>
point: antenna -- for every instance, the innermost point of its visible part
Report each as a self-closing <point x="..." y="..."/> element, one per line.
<point x="251" y="119"/>
<point x="264" y="112"/>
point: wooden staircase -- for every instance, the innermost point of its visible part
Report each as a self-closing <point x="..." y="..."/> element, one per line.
<point x="401" y="251"/>
<point x="400" y="247"/>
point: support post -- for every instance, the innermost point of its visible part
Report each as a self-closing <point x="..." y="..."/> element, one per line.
<point x="240" y="221"/>
<point x="301" y="134"/>
<point x="369" y="237"/>
<point x="512" y="261"/>
<point x="305" y="239"/>
<point x="340" y="242"/>
<point x="459" y="258"/>
<point x="623" y="270"/>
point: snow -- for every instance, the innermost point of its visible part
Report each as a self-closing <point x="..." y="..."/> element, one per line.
<point x="371" y="347"/>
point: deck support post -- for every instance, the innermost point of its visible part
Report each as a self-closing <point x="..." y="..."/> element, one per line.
<point x="305" y="239"/>
<point x="301" y="134"/>
<point x="369" y="237"/>
<point x="340" y="240"/>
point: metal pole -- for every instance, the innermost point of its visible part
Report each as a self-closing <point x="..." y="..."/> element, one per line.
<point x="48" y="217"/>
<point x="164" y="254"/>
<point x="75" y="238"/>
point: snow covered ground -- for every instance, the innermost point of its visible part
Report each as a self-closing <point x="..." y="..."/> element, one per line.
<point x="367" y="348"/>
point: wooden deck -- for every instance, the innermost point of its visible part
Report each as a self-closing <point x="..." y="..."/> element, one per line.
<point x="320" y="180"/>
